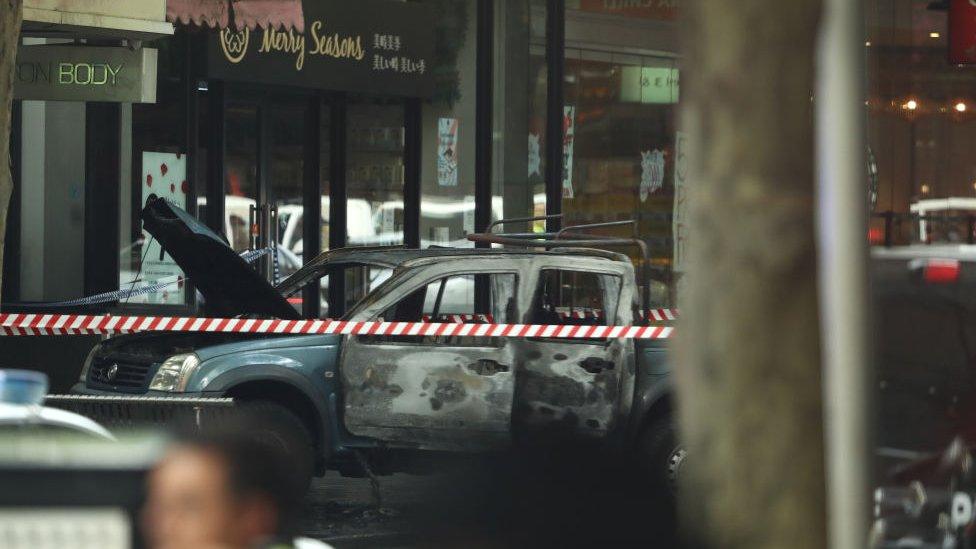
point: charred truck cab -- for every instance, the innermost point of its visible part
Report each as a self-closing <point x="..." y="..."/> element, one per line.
<point x="334" y="399"/>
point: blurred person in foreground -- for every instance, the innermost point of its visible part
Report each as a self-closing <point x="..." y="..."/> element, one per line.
<point x="222" y="489"/>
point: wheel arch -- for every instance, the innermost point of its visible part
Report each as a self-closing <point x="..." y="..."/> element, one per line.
<point x="291" y="394"/>
<point x="655" y="403"/>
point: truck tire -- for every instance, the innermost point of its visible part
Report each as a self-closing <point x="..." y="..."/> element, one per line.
<point x="661" y="455"/>
<point x="273" y="424"/>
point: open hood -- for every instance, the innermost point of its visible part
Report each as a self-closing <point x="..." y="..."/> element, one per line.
<point x="229" y="284"/>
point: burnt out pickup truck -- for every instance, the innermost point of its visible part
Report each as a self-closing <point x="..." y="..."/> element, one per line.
<point x="340" y="401"/>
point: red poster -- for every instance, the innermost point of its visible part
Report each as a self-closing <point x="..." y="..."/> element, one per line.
<point x="962" y="32"/>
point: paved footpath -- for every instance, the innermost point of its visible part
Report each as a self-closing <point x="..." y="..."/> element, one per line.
<point x="483" y="505"/>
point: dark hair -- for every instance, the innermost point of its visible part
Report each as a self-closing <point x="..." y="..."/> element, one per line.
<point x="254" y="468"/>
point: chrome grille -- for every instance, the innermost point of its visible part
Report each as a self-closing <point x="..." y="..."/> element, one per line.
<point x="127" y="373"/>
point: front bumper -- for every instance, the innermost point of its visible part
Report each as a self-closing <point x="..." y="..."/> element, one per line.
<point x="152" y="408"/>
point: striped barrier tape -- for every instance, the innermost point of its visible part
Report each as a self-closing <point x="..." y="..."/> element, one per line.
<point x="659" y="315"/>
<point x="18" y="324"/>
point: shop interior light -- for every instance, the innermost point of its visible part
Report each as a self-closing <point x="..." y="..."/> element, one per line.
<point x="911" y="104"/>
<point x="934" y="35"/>
<point x="960" y="107"/>
<point x="925" y="188"/>
<point x="867" y="44"/>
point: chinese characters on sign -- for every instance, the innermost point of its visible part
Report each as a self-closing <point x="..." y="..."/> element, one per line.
<point x="382" y="61"/>
<point x="447" y="160"/>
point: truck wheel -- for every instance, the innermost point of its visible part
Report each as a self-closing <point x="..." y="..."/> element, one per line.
<point x="273" y="424"/>
<point x="661" y="454"/>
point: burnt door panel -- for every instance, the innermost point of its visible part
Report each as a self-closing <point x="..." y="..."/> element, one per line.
<point x="570" y="388"/>
<point x="436" y="392"/>
<point x="430" y="396"/>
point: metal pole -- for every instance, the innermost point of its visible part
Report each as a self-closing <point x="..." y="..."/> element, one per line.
<point x="842" y="231"/>
<point x="555" y="72"/>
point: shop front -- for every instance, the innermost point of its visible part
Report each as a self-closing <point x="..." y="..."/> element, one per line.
<point x="318" y="125"/>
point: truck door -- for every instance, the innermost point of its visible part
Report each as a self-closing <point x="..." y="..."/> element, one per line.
<point x="572" y="388"/>
<point x="435" y="392"/>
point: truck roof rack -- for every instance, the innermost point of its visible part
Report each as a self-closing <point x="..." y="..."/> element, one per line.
<point x="573" y="237"/>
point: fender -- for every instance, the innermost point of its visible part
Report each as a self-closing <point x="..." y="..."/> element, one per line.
<point x="651" y="391"/>
<point x="279" y="374"/>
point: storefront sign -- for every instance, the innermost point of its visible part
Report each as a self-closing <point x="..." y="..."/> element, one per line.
<point x="649" y="85"/>
<point x="367" y="45"/>
<point x="447" y="149"/>
<point x="163" y="175"/>
<point x="85" y="73"/>
<point x="569" y="135"/>
<point x="962" y="32"/>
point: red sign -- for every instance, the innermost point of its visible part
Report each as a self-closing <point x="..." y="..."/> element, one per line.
<point x="962" y="32"/>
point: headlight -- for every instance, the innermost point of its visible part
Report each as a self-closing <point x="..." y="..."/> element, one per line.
<point x="174" y="373"/>
<point x="88" y="362"/>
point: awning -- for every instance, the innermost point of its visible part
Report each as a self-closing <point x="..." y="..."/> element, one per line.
<point x="142" y="20"/>
<point x="283" y="14"/>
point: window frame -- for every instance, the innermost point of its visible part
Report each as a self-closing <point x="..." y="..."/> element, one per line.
<point x="536" y="295"/>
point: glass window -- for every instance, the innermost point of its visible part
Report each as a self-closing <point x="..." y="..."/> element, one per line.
<point x="374" y="172"/>
<point x="241" y="168"/>
<point x="519" y="111"/>
<point x="286" y="166"/>
<point x="448" y="130"/>
<point x="576" y="298"/>
<point x="359" y="281"/>
<point x="921" y="172"/>
<point x="153" y="152"/>
<point x="454" y="299"/>
<point x="325" y="170"/>
<point x="460" y="299"/>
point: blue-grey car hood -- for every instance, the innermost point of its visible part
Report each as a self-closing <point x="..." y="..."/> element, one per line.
<point x="229" y="284"/>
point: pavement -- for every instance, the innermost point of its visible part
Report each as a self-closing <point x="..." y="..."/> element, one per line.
<point x="492" y="505"/>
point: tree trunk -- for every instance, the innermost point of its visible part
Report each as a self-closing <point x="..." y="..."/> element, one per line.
<point x="748" y="368"/>
<point x="11" y="14"/>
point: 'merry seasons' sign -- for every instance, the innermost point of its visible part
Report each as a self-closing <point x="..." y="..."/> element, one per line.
<point x="368" y="45"/>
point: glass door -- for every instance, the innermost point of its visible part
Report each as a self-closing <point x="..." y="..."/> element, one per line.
<point x="285" y="154"/>
<point x="264" y="170"/>
<point x="375" y="138"/>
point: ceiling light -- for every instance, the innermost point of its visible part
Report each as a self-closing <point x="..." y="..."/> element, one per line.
<point x="911" y="105"/>
<point x="960" y="107"/>
<point x="934" y="35"/>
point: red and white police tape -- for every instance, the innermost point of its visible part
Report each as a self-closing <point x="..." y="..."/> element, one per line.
<point x="15" y="324"/>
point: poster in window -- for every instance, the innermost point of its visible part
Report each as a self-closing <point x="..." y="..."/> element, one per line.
<point x="535" y="158"/>
<point x="652" y="173"/>
<point x="447" y="152"/>
<point x="569" y="133"/>
<point x="163" y="175"/>
<point x="680" y="216"/>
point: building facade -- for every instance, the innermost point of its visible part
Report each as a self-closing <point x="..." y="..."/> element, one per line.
<point x="327" y="124"/>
